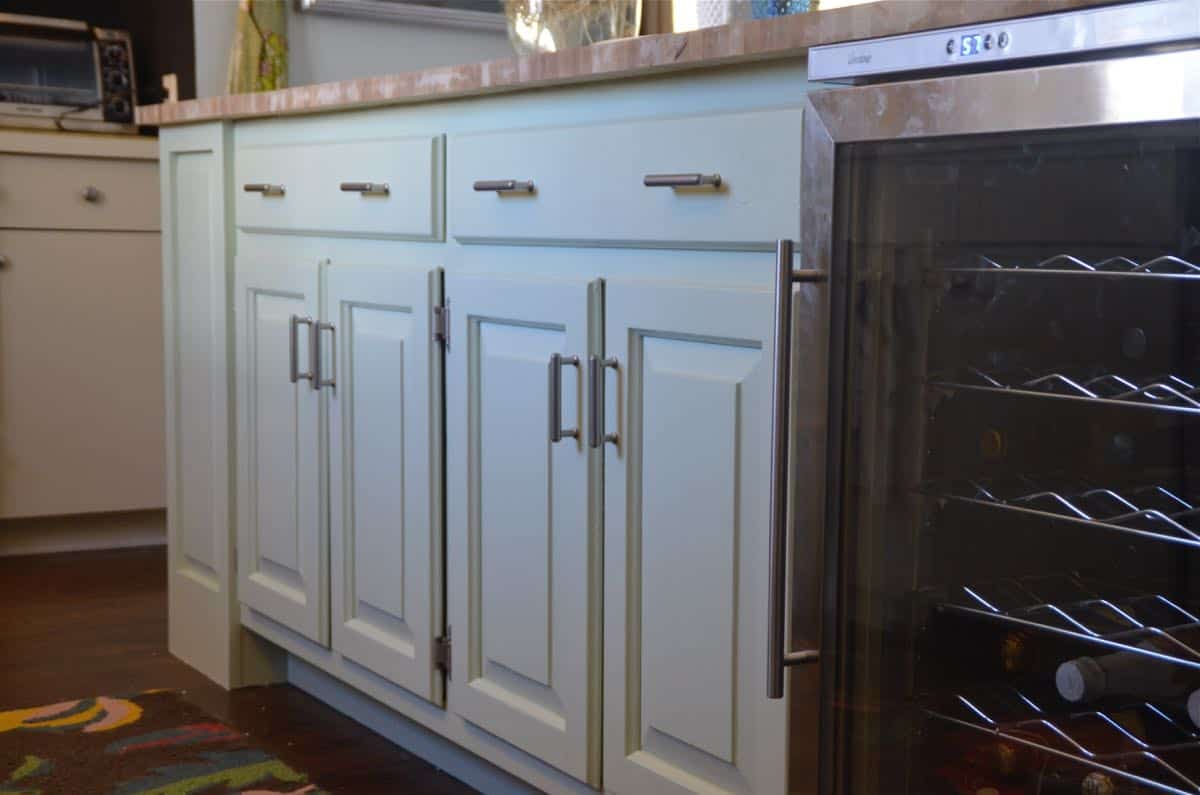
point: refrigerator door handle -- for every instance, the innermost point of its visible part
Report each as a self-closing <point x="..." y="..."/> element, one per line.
<point x="777" y="656"/>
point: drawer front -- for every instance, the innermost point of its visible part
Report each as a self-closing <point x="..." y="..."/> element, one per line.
<point x="588" y="182"/>
<point x="312" y="176"/>
<point x="45" y="192"/>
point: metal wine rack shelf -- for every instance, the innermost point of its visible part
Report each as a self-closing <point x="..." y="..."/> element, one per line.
<point x="1147" y="511"/>
<point x="1070" y="607"/>
<point x="1147" y="749"/>
<point x="1164" y="392"/>
<point x="1169" y="267"/>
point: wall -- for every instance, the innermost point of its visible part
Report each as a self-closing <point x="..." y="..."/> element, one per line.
<point x="161" y="31"/>
<point x="324" y="48"/>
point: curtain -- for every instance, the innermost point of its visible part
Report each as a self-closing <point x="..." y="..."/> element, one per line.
<point x="657" y="17"/>
<point x="258" y="58"/>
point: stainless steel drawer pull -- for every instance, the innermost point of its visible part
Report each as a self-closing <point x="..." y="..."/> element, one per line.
<point x="777" y="655"/>
<point x="318" y="380"/>
<point x="557" y="363"/>
<point x="597" y="368"/>
<point x="294" y="373"/>
<point x="366" y="188"/>
<point x="682" y="180"/>
<point x="504" y="186"/>
<point x="263" y="188"/>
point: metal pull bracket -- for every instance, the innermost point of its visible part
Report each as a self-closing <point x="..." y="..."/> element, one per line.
<point x="366" y="188"/>
<point x="318" y="380"/>
<point x="504" y="186"/>
<point x="557" y="431"/>
<point x="596" y="373"/>
<point x="264" y="188"/>
<point x="777" y="654"/>
<point x="682" y="180"/>
<point x="294" y="373"/>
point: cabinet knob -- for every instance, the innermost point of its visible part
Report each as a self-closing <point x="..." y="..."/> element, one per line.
<point x="682" y="180"/>
<point x="504" y="186"/>
<point x="264" y="188"/>
<point x="366" y="188"/>
<point x="91" y="194"/>
<point x="4" y="262"/>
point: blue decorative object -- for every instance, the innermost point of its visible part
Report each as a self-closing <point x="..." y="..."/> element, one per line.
<point x="762" y="9"/>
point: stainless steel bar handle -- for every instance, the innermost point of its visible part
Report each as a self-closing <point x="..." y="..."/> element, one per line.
<point x="366" y="188"/>
<point x="264" y="188"/>
<point x="504" y="186"/>
<point x="777" y="655"/>
<point x="557" y="363"/>
<point x="294" y="373"/>
<point x="596" y="372"/>
<point x="318" y="380"/>
<point x="681" y="180"/>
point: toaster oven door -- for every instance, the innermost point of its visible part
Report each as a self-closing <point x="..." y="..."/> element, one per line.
<point x="46" y="64"/>
<point x="1012" y="593"/>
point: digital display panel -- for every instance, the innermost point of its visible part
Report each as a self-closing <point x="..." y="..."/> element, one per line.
<point x="972" y="44"/>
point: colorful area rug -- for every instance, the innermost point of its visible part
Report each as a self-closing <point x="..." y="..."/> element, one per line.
<point x="151" y="744"/>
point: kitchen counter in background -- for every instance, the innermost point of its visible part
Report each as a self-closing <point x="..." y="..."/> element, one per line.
<point x="643" y="56"/>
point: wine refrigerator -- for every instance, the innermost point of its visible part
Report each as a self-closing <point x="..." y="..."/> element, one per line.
<point x="993" y="538"/>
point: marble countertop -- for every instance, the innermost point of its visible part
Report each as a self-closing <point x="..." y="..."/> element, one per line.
<point x="643" y="56"/>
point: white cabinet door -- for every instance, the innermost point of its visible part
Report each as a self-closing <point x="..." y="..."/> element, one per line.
<point x="686" y="493"/>
<point x="523" y="520"/>
<point x="385" y="453"/>
<point x="282" y="565"/>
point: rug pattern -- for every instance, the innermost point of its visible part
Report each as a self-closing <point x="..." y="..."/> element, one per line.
<point x="155" y="743"/>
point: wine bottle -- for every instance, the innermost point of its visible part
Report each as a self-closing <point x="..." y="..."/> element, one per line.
<point x="1126" y="673"/>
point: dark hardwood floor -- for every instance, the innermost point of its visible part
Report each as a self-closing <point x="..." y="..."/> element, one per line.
<point x="95" y="623"/>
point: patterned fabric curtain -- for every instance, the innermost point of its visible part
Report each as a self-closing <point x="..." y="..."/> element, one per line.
<point x="258" y="60"/>
<point x="657" y="17"/>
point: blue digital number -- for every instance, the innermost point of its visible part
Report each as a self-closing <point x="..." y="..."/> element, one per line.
<point x="971" y="45"/>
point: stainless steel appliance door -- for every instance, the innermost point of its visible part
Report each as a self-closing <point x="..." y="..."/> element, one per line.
<point x="1013" y="519"/>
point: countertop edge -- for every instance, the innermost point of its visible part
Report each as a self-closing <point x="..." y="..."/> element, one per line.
<point x="639" y="57"/>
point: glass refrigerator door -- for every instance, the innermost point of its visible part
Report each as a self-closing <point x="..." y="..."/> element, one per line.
<point x="1017" y="521"/>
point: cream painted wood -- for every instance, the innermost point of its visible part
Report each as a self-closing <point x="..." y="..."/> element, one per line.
<point x="523" y="589"/>
<point x="45" y="192"/>
<point x="311" y="174"/>
<point x="81" y="369"/>
<point x="686" y="495"/>
<point x="588" y="182"/>
<point x="385" y="473"/>
<point x="282" y="532"/>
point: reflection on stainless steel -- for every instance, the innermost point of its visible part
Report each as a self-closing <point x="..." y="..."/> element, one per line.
<point x="1094" y="739"/>
<point x="1149" y="88"/>
<point x="1150" y="511"/>
<point x="1079" y="611"/>
<point x="1166" y="392"/>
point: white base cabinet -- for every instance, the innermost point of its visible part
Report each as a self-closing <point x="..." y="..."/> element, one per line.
<point x="399" y="421"/>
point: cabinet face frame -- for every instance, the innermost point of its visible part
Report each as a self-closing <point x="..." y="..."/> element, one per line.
<point x="526" y="663"/>
<point x="686" y="541"/>
<point x="385" y="619"/>
<point x="283" y="542"/>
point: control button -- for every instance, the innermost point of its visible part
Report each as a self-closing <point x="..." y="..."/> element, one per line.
<point x="118" y="108"/>
<point x="950" y="47"/>
<point x="987" y="41"/>
<point x="1003" y="40"/>
<point x="115" y="53"/>
<point x="116" y="79"/>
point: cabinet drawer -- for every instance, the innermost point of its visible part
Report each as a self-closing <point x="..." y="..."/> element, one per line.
<point x="46" y="192"/>
<point x="588" y="182"/>
<point x="312" y="176"/>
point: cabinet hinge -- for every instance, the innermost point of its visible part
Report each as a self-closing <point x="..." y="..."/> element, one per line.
<point x="441" y="652"/>
<point x="441" y="324"/>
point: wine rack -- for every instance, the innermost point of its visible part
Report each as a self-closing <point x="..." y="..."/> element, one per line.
<point x="1162" y="392"/>
<point x="1147" y="511"/>
<point x="1070" y="607"/>
<point x="1063" y="264"/>
<point x="1142" y="745"/>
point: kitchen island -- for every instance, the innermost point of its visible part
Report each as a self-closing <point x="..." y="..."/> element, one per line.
<point x="469" y="390"/>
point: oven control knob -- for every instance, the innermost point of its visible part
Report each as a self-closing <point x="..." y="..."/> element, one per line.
<point x="114" y="53"/>
<point x="117" y="80"/>
<point x="118" y="107"/>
